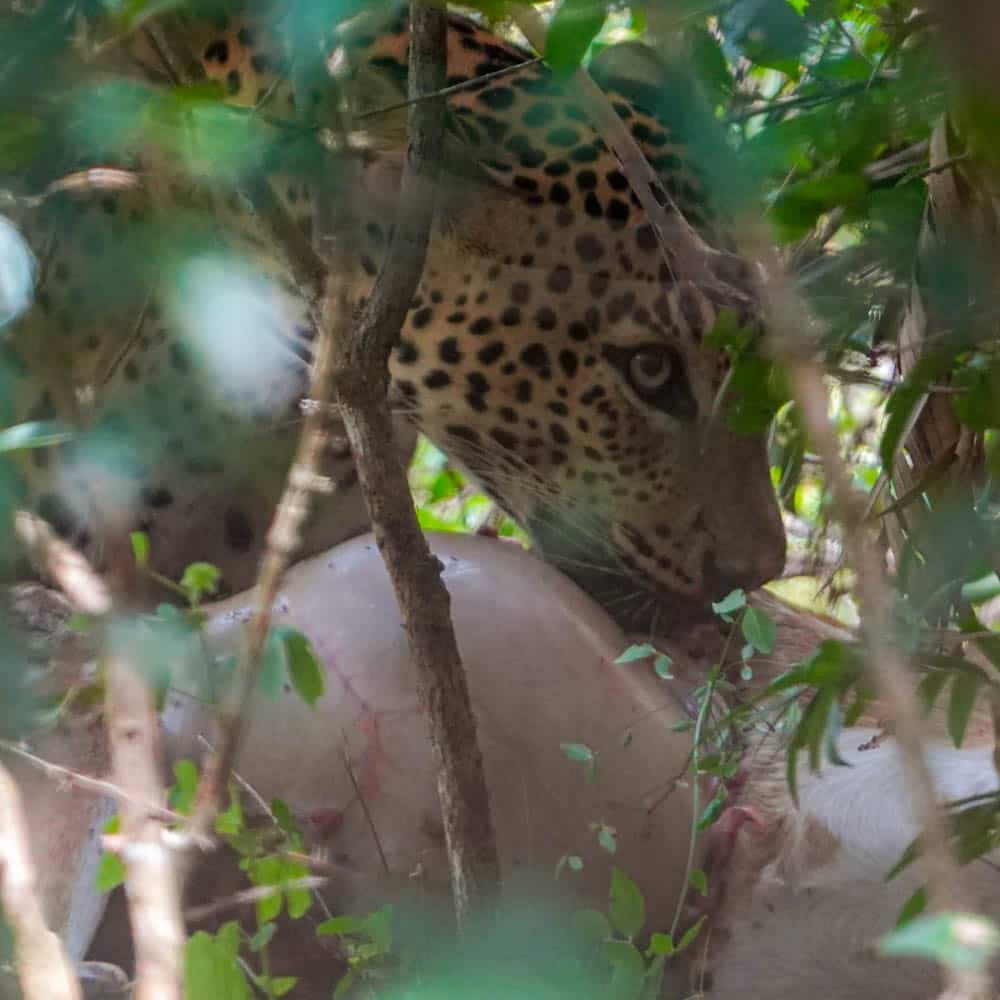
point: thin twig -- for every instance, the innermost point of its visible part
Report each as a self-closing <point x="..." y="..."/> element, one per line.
<point x="82" y="781"/>
<point x="455" y="88"/>
<point x="244" y="897"/>
<point x="369" y="819"/>
<point x="362" y="378"/>
<point x="44" y="970"/>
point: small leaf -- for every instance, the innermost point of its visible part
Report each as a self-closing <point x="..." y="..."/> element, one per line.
<point x="626" y="905"/>
<point x="280" y="985"/>
<point x="304" y="669"/>
<point x="140" y="547"/>
<point x="913" y="907"/>
<point x="200" y="579"/>
<point x="110" y="872"/>
<point x="699" y="880"/>
<point x="263" y="936"/>
<point x="662" y="665"/>
<point x="575" y="862"/>
<point x="690" y="934"/>
<point x="181" y="797"/>
<point x="963" y="697"/>
<point x="660" y="944"/>
<point x="733" y="601"/>
<point x="758" y="630"/>
<point x="636" y="652"/>
<point x="578" y="752"/>
<point x="959" y="940"/>
<point x="711" y="813"/>
<point x="606" y="837"/>
<point x="340" y="926"/>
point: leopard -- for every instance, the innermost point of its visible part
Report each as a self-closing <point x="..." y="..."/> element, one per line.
<point x="550" y="349"/>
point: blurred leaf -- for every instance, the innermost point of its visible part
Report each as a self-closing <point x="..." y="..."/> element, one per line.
<point x="575" y="25"/>
<point x="959" y="940"/>
<point x="733" y="601"/>
<point x="185" y="787"/>
<point x="636" y="652"/>
<point x="577" y="751"/>
<point x="690" y="935"/>
<point x="212" y="970"/>
<point x="626" y="906"/>
<point x="913" y="907"/>
<point x="199" y="580"/>
<point x="758" y="630"/>
<point x="963" y="697"/>
<point x="34" y="434"/>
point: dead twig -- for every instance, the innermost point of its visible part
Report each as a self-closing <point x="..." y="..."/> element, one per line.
<point x="44" y="970"/>
<point x="361" y="381"/>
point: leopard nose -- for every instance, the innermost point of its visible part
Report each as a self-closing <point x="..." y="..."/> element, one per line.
<point x="722" y="574"/>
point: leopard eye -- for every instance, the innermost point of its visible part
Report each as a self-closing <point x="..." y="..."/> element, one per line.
<point x="650" y="369"/>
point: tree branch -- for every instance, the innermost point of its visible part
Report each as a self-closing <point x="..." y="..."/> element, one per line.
<point x="361" y="381"/>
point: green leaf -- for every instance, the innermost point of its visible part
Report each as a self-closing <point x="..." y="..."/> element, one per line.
<point x="340" y="926"/>
<point x="690" y="934"/>
<point x="304" y="669"/>
<point x="34" y="434"/>
<point x="913" y="907"/>
<point x="575" y="25"/>
<point x="110" y="872"/>
<point x="711" y="812"/>
<point x="606" y="837"/>
<point x="733" y="601"/>
<point x="200" y="579"/>
<point x="578" y="752"/>
<point x="758" y="630"/>
<point x="929" y="688"/>
<point x="575" y="862"/>
<point x="626" y="905"/>
<point x="958" y="940"/>
<point x="263" y="936"/>
<point x="636" y="652"/>
<point x="185" y="787"/>
<point x="628" y="969"/>
<point x="140" y="547"/>
<point x="963" y="697"/>
<point x="280" y="985"/>
<point x="212" y="971"/>
<point x="699" y="881"/>
<point x="660" y="944"/>
<point x="662" y="665"/>
<point x="593" y="926"/>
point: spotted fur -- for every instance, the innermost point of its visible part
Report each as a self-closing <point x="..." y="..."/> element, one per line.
<point x="549" y="348"/>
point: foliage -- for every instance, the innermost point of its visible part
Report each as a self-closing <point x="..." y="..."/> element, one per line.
<point x="818" y="116"/>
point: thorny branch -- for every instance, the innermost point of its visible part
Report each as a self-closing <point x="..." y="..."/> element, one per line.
<point x="362" y="379"/>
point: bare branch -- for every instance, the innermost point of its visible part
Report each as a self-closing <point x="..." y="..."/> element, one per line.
<point x="362" y="378"/>
<point x="133" y="726"/>
<point x="43" y="967"/>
